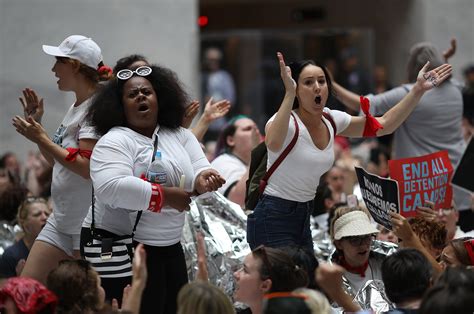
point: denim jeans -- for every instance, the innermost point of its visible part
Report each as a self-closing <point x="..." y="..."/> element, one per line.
<point x="276" y="222"/>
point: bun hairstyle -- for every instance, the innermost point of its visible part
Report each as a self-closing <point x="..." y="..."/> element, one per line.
<point x="101" y="74"/>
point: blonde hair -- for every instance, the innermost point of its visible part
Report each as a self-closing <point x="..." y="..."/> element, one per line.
<point x="92" y="75"/>
<point x="315" y="300"/>
<point x="341" y="211"/>
<point x="201" y="297"/>
<point x="24" y="208"/>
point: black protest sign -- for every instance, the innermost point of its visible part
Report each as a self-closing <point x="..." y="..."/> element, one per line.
<point x="463" y="174"/>
<point x="380" y="196"/>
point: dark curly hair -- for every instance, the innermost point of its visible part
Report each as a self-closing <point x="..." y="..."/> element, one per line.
<point x="126" y="62"/>
<point x="432" y="232"/>
<point x="296" y="69"/>
<point x="107" y="109"/>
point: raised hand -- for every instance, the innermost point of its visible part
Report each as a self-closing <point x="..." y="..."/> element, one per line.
<point x="285" y="73"/>
<point x="448" y="53"/>
<point x="213" y="111"/>
<point x="29" y="128"/>
<point x="428" y="80"/>
<point x="189" y="114"/>
<point x="401" y="227"/>
<point x="202" y="272"/>
<point x="32" y="105"/>
<point x="427" y="211"/>
<point x="208" y="180"/>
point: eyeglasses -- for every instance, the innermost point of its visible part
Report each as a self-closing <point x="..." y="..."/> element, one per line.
<point x="34" y="199"/>
<point x="260" y="251"/>
<point x="359" y="240"/>
<point x="125" y="74"/>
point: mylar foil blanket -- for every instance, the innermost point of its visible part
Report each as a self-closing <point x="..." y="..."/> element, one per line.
<point x="223" y="225"/>
<point x="8" y="234"/>
<point x="372" y="294"/>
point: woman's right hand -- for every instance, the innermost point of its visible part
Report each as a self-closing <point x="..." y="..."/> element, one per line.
<point x="285" y="73"/>
<point x="177" y="198"/>
<point x="32" y="105"/>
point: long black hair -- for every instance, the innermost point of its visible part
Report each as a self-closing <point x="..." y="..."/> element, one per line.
<point x="107" y="109"/>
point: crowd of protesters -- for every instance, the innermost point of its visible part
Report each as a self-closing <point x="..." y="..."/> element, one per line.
<point x="92" y="230"/>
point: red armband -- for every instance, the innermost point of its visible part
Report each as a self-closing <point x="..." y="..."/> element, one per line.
<point x="157" y="198"/>
<point x="371" y="124"/>
<point x="73" y="152"/>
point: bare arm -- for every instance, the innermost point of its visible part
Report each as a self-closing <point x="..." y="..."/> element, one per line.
<point x="403" y="230"/>
<point x="212" y="111"/>
<point x="35" y="132"/>
<point x="132" y="301"/>
<point x="277" y="129"/>
<point x="237" y="192"/>
<point x="393" y="118"/>
<point x="346" y="97"/>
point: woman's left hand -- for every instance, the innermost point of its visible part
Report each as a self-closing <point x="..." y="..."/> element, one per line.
<point x="190" y="113"/>
<point x="29" y="128"/>
<point x="428" y="80"/>
<point x="209" y="180"/>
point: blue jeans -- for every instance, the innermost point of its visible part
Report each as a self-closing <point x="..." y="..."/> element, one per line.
<point x="276" y="222"/>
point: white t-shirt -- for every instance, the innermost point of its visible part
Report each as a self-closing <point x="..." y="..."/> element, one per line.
<point x="118" y="161"/>
<point x="71" y="193"/>
<point x="231" y="168"/>
<point x="373" y="271"/>
<point x="297" y="177"/>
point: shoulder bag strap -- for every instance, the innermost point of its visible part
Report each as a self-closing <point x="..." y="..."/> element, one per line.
<point x="284" y="153"/>
<point x="331" y="120"/>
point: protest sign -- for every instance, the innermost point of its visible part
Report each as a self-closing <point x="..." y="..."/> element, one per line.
<point x="424" y="178"/>
<point x="380" y="196"/>
<point x="465" y="170"/>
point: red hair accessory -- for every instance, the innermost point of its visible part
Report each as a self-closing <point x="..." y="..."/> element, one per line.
<point x="73" y="152"/>
<point x="371" y="124"/>
<point x="284" y="295"/>
<point x="469" y="245"/>
<point x="29" y="295"/>
<point x="105" y="69"/>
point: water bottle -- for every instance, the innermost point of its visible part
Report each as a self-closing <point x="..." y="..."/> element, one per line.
<point x="157" y="171"/>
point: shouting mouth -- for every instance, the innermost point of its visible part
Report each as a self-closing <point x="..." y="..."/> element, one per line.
<point x="318" y="100"/>
<point x="143" y="108"/>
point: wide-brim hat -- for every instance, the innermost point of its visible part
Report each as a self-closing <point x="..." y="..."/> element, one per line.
<point x="355" y="223"/>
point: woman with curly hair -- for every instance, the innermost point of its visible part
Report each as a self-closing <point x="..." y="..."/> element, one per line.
<point x="137" y="113"/>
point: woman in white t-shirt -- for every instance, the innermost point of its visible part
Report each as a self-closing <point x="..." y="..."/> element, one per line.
<point x="79" y="68"/>
<point x="282" y="214"/>
<point x="234" y="148"/>
<point x="140" y="110"/>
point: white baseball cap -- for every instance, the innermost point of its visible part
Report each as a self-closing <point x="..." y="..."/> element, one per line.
<point x="355" y="223"/>
<point x="77" y="47"/>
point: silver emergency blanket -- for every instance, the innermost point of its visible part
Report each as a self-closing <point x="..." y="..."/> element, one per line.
<point x="372" y="294"/>
<point x="223" y="225"/>
<point x="7" y="236"/>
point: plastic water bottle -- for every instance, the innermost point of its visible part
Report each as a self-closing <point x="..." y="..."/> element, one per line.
<point x="157" y="171"/>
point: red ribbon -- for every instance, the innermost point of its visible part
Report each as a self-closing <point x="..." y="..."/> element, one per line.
<point x="469" y="245"/>
<point x="371" y="124"/>
<point x="73" y="152"/>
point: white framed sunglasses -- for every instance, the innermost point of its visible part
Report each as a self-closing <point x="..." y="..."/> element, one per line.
<point x="125" y="74"/>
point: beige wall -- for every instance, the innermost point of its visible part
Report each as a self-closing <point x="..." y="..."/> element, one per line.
<point x="163" y="30"/>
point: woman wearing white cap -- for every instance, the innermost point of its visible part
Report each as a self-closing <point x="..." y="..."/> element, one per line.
<point x="352" y="234"/>
<point x="79" y="68"/>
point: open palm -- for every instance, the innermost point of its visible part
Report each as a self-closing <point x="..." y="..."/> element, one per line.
<point x="427" y="80"/>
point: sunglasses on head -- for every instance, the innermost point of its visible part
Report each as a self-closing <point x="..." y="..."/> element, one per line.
<point x="125" y="74"/>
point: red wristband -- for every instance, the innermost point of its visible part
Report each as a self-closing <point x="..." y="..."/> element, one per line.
<point x="371" y="124"/>
<point x="157" y="198"/>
